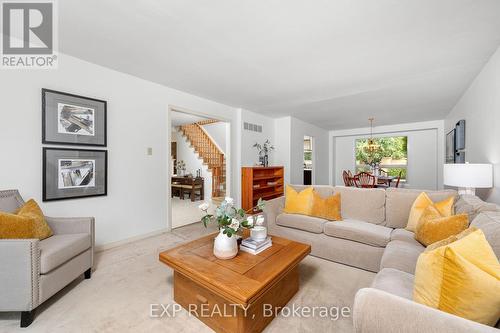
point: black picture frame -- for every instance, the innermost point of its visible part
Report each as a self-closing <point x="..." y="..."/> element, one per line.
<point x="50" y="115"/>
<point x="51" y="175"/>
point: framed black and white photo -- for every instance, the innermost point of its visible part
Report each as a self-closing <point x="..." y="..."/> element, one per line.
<point x="73" y="120"/>
<point x="74" y="173"/>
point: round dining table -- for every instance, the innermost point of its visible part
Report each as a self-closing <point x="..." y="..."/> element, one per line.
<point x="386" y="179"/>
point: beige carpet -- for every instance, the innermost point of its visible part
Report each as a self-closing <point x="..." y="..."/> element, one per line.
<point x="128" y="279"/>
<point x="186" y="212"/>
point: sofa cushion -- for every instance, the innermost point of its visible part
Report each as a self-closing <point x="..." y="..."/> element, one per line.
<point x="473" y="205"/>
<point x="301" y="222"/>
<point x="401" y="255"/>
<point x="395" y="282"/>
<point x="404" y="235"/>
<point x="362" y="204"/>
<point x="58" y="249"/>
<point x="340" y="250"/>
<point x="489" y="223"/>
<point x="399" y="202"/>
<point x="359" y="231"/>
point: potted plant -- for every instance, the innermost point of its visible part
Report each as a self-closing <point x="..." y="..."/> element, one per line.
<point x="264" y="150"/>
<point x="231" y="221"/>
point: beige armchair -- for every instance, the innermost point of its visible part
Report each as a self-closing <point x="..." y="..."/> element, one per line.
<point x="33" y="270"/>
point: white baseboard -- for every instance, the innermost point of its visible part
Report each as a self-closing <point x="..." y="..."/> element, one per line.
<point x="112" y="245"/>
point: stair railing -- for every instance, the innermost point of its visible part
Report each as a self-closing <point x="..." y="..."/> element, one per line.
<point x="209" y="152"/>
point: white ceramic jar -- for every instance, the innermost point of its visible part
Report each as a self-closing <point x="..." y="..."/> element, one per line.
<point x="258" y="233"/>
<point x="225" y="247"/>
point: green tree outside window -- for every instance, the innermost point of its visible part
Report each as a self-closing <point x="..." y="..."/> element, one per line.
<point x="393" y="150"/>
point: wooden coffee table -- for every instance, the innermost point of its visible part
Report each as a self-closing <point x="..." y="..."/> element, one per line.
<point x="236" y="295"/>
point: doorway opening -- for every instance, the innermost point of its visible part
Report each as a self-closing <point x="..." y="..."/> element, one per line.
<point x="199" y="147"/>
<point x="308" y="172"/>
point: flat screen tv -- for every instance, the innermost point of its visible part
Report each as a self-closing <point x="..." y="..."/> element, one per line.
<point x="450" y="147"/>
<point x="460" y="135"/>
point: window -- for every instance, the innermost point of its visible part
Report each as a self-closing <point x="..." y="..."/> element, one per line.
<point x="308" y="148"/>
<point x="308" y="160"/>
<point x="391" y="157"/>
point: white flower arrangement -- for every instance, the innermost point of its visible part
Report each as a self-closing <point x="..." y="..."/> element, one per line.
<point x="250" y="221"/>
<point x="230" y="219"/>
<point x="235" y="224"/>
<point x="204" y="206"/>
<point x="260" y="220"/>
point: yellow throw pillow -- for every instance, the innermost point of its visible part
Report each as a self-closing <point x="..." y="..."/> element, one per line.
<point x="298" y="202"/>
<point x="326" y="208"/>
<point x="13" y="226"/>
<point x="26" y="222"/>
<point x="462" y="278"/>
<point x="41" y="229"/>
<point x="450" y="239"/>
<point x="433" y="227"/>
<point x="444" y="207"/>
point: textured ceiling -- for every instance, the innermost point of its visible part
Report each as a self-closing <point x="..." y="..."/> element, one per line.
<point x="332" y="63"/>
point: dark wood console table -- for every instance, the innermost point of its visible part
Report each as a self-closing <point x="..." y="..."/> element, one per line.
<point x="190" y="185"/>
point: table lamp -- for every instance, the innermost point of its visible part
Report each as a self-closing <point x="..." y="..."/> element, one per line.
<point x="469" y="176"/>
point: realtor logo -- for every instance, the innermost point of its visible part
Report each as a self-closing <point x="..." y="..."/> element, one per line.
<point x="28" y="35"/>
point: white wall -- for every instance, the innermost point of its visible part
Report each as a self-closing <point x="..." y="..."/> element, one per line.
<point x="282" y="136"/>
<point x="289" y="137"/>
<point x="249" y="154"/>
<point x="217" y="132"/>
<point x="425" y="151"/>
<point x="480" y="107"/>
<point x="193" y="161"/>
<point x="138" y="193"/>
<point x="300" y="129"/>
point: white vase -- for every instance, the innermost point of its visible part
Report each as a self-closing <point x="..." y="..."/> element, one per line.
<point x="225" y="247"/>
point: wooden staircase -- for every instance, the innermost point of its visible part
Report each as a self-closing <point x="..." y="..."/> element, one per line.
<point x="212" y="156"/>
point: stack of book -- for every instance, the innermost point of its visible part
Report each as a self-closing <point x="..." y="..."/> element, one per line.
<point x="255" y="247"/>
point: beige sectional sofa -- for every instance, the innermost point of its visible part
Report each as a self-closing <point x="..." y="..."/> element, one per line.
<point x="372" y="237"/>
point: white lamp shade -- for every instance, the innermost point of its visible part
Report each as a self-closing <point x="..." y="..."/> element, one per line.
<point x="468" y="175"/>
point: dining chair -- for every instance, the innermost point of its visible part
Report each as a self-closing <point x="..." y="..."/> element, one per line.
<point x="364" y="180"/>
<point x="176" y="189"/>
<point x="382" y="173"/>
<point x="399" y="178"/>
<point x="347" y="179"/>
<point x="194" y="188"/>
<point x="351" y="178"/>
<point x="193" y="191"/>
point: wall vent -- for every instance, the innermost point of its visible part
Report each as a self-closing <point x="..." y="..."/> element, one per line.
<point x="252" y="127"/>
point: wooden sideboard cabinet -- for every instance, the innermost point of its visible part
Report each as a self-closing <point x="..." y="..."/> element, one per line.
<point x="260" y="182"/>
